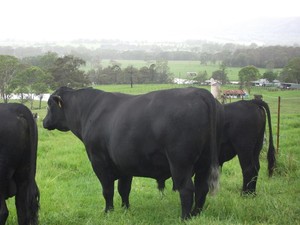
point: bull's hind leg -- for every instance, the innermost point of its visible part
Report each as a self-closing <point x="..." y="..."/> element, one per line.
<point x="182" y="179"/>
<point x="124" y="187"/>
<point x="3" y="210"/>
<point x="250" y="167"/>
<point x="21" y="200"/>
<point x="249" y="160"/>
<point x="3" y="194"/>
<point x="27" y="198"/>
<point x="201" y="188"/>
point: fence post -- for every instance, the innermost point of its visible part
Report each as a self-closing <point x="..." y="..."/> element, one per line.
<point x="278" y="123"/>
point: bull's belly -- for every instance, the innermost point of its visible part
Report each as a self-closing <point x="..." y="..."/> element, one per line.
<point x="157" y="173"/>
<point x="8" y="186"/>
<point x="156" y="167"/>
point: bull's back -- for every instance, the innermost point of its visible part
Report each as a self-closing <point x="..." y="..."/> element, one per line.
<point x="162" y="114"/>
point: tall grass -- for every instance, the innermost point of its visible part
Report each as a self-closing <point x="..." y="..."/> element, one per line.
<point x="72" y="195"/>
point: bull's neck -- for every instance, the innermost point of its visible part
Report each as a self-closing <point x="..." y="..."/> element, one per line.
<point x="77" y="110"/>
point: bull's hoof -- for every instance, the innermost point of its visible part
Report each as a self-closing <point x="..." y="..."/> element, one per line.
<point x="125" y="205"/>
<point x="248" y="193"/>
<point x="196" y="212"/>
<point x="186" y="216"/>
<point x="109" y="209"/>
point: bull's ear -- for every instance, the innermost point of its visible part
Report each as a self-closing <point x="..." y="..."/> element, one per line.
<point x="58" y="100"/>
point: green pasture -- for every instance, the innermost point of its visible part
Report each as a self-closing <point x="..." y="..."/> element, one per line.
<point x="72" y="195"/>
<point x="179" y="68"/>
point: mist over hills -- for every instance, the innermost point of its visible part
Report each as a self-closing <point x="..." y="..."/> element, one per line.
<point x="261" y="31"/>
<point x="267" y="31"/>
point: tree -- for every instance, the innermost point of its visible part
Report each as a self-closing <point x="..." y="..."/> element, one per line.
<point x="152" y="71"/>
<point x="31" y="81"/>
<point x="270" y="75"/>
<point x="248" y="74"/>
<point x="94" y="75"/>
<point x="201" y="77"/>
<point x="162" y="72"/>
<point x="144" y="75"/>
<point x="221" y="74"/>
<point x="131" y="74"/>
<point x="9" y="65"/>
<point x="291" y="72"/>
<point x="240" y="59"/>
<point x="116" y="72"/>
<point x="66" y="72"/>
<point x="218" y="75"/>
<point x="45" y="62"/>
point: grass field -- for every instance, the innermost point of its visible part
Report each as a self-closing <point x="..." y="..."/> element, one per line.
<point x="180" y="68"/>
<point x="72" y="195"/>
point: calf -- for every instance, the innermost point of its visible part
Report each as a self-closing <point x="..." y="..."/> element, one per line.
<point x="243" y="135"/>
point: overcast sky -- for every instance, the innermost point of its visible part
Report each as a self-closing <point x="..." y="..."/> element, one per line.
<point x="57" y="20"/>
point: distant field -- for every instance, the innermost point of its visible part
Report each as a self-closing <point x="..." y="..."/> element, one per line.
<point x="179" y="68"/>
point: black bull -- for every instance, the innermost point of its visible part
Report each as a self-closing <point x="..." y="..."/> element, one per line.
<point x="243" y="135"/>
<point x="18" y="152"/>
<point x="162" y="134"/>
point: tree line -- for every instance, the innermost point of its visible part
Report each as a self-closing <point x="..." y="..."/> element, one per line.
<point x="40" y="74"/>
<point x="34" y="76"/>
<point x="37" y="75"/>
<point x="232" y="55"/>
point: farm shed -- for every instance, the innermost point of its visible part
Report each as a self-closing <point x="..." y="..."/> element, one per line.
<point x="234" y="94"/>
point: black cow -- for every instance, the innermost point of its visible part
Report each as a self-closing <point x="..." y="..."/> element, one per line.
<point x="18" y="152"/>
<point x="243" y="135"/>
<point x="162" y="134"/>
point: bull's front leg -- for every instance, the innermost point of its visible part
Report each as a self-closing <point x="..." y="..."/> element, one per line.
<point x="106" y="178"/>
<point x="108" y="194"/>
<point x="124" y="187"/>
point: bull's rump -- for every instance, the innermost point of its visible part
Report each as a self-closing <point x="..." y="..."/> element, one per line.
<point x="244" y="121"/>
<point x="14" y="137"/>
<point x="143" y="133"/>
<point x="14" y="146"/>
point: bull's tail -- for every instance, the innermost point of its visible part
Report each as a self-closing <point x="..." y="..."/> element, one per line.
<point x="213" y="179"/>
<point x="271" y="151"/>
<point x="33" y="194"/>
<point x="33" y="203"/>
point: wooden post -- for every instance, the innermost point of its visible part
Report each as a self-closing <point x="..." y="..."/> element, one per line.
<point x="278" y="124"/>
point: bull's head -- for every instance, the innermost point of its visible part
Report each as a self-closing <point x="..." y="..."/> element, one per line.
<point x="55" y="118"/>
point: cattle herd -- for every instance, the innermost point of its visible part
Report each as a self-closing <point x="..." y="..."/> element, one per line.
<point x="183" y="134"/>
